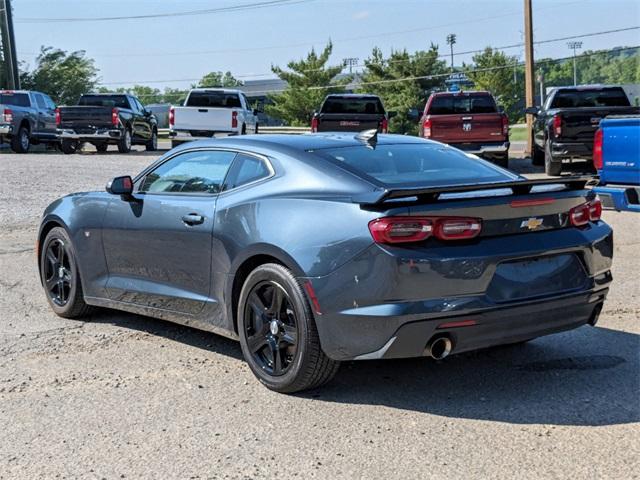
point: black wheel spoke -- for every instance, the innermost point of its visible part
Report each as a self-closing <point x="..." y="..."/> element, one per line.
<point x="51" y="282"/>
<point x="256" y="342"/>
<point x="60" y="254"/>
<point x="61" y="294"/>
<point x="51" y="257"/>
<point x="290" y="335"/>
<point x="276" y="301"/>
<point x="277" y="358"/>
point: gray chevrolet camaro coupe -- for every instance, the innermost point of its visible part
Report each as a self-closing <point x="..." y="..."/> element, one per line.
<point x="313" y="249"/>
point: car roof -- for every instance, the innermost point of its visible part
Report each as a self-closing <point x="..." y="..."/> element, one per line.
<point x="215" y="90"/>
<point x="461" y="92"/>
<point x="352" y="95"/>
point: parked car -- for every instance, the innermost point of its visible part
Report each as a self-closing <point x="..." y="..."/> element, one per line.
<point x="616" y="157"/>
<point x="564" y="127"/>
<point x="470" y="121"/>
<point x="28" y="118"/>
<point x="104" y="119"/>
<point x="161" y="112"/>
<point x="211" y="111"/>
<point x="313" y="249"/>
<point x="351" y="113"/>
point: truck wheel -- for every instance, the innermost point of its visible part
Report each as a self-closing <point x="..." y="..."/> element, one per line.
<point x="256" y="130"/>
<point x="278" y="334"/>
<point x="124" y="144"/>
<point x="537" y="156"/>
<point x="244" y="129"/>
<point x="152" y="144"/>
<point x="101" y="147"/>
<point x="20" y="142"/>
<point x="174" y="143"/>
<point x="552" y="167"/>
<point x="502" y="160"/>
<point x="69" y="146"/>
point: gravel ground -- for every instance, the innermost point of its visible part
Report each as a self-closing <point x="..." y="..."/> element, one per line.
<point x="124" y="396"/>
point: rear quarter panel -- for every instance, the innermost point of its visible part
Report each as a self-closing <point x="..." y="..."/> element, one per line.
<point x="621" y="151"/>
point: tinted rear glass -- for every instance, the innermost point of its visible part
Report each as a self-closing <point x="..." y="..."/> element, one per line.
<point x="449" y="105"/>
<point x="370" y="105"/>
<point x="415" y="165"/>
<point x="119" y="101"/>
<point x="213" y="99"/>
<point x="608" y="97"/>
<point x="16" y="99"/>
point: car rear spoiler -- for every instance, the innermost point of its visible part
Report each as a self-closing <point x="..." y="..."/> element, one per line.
<point x="517" y="187"/>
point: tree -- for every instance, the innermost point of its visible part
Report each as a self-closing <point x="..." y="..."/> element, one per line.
<point x="493" y="70"/>
<point x="219" y="79"/>
<point x="308" y="80"/>
<point x="403" y="82"/>
<point x="63" y="76"/>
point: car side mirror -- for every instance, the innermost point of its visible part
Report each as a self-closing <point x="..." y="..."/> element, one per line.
<point x="120" y="186"/>
<point x="531" y="110"/>
<point x="391" y="114"/>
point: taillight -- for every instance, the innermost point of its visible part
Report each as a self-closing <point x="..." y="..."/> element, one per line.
<point x="505" y="125"/>
<point x="172" y="117"/>
<point x="234" y="119"/>
<point x="314" y="124"/>
<point x="585" y="213"/>
<point x="115" y="117"/>
<point x="557" y="125"/>
<point x="58" y="117"/>
<point x="416" y="229"/>
<point x="384" y="125"/>
<point x="597" y="149"/>
<point x="8" y="115"/>
<point x="426" y="128"/>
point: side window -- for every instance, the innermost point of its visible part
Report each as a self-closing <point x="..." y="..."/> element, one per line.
<point x="40" y="102"/>
<point x="49" y="102"/>
<point x="132" y="104"/>
<point x="246" y="102"/>
<point x="191" y="172"/>
<point x="246" y="169"/>
<point x="138" y="105"/>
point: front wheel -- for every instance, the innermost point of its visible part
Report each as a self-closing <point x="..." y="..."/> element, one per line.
<point x="552" y="167"/>
<point x="101" y="147"/>
<point x="124" y="145"/>
<point x="502" y="160"/>
<point x="255" y="131"/>
<point x="152" y="144"/>
<point x="537" y="156"/>
<point x="278" y="334"/>
<point x="69" y="146"/>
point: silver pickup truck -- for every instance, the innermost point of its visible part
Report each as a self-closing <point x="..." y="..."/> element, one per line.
<point x="26" y="118"/>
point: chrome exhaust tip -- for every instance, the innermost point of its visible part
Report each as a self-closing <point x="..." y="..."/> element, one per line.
<point x="439" y="348"/>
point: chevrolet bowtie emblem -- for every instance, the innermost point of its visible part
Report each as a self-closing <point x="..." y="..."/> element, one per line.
<point x="531" y="223"/>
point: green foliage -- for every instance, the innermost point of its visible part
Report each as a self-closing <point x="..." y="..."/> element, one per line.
<point x="64" y="76"/>
<point x="383" y="77"/>
<point x="219" y="79"/>
<point x="304" y="93"/>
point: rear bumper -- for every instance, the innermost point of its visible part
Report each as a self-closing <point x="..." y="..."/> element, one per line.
<point x="569" y="150"/>
<point x="100" y="135"/>
<point x="621" y="198"/>
<point x="484" y="148"/>
<point x="185" y="136"/>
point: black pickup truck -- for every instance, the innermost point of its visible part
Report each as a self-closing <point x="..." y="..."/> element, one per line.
<point x="351" y="113"/>
<point x="564" y="127"/>
<point x="104" y="119"/>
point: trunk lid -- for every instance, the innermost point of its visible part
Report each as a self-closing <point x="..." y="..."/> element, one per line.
<point x="340" y="122"/>
<point x="467" y="128"/>
<point x="579" y="124"/>
<point x="85" y="116"/>
<point x="203" y="118"/>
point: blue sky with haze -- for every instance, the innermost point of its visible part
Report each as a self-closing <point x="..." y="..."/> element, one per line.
<point x="156" y="51"/>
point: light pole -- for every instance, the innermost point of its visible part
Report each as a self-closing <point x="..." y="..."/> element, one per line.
<point x="574" y="46"/>
<point x="451" y="40"/>
<point x="350" y="62"/>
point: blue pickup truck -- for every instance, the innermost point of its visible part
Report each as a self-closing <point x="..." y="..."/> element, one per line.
<point x="616" y="156"/>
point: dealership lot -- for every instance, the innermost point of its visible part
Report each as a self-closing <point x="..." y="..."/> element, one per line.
<point x="127" y="396"/>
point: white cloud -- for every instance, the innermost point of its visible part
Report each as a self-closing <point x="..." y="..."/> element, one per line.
<point x="361" y="15"/>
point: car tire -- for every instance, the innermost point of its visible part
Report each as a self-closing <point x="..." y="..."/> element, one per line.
<point x="175" y="144"/>
<point x="552" y="167"/>
<point x="502" y="160"/>
<point x="244" y="129"/>
<point x="124" y="144"/>
<point x="60" y="275"/>
<point x="152" y="144"/>
<point x="21" y="142"/>
<point x="537" y="156"/>
<point x="69" y="146"/>
<point x="101" y="147"/>
<point x="255" y="131"/>
<point x="281" y="345"/>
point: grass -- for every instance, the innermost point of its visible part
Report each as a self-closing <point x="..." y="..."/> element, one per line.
<point x="518" y="134"/>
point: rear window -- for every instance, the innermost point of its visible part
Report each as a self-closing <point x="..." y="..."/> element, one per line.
<point x="449" y="105"/>
<point x="370" y="105"/>
<point x="119" y="101"/>
<point x="16" y="99"/>
<point x="601" y="97"/>
<point x="415" y="165"/>
<point x="213" y="99"/>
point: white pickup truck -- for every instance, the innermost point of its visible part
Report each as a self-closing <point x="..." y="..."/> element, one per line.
<point x="210" y="111"/>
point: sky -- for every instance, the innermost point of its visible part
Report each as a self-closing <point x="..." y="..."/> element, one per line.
<point x="175" y="51"/>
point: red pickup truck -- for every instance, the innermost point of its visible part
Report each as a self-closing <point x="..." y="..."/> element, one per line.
<point x="470" y="121"/>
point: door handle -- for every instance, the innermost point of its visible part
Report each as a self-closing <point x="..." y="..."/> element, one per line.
<point x="193" y="219"/>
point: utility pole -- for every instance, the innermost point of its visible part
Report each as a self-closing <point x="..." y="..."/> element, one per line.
<point x="529" y="84"/>
<point x="451" y="40"/>
<point x="574" y="46"/>
<point x="9" y="57"/>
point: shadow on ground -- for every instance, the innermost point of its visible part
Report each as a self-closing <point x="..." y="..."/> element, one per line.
<point x="589" y="376"/>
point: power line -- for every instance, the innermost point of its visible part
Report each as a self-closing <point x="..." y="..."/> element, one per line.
<point x="207" y="11"/>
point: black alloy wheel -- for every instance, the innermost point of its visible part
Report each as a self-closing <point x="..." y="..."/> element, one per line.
<point x="57" y="276"/>
<point x="271" y="328"/>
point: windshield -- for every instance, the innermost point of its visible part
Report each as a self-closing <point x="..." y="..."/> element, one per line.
<point x="213" y="99"/>
<point x="119" y="101"/>
<point x="366" y="105"/>
<point x="449" y="105"/>
<point x="607" y="97"/>
<point x="416" y="165"/>
<point x="16" y="99"/>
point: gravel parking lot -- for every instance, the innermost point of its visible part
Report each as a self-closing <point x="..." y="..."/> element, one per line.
<point x="124" y="396"/>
